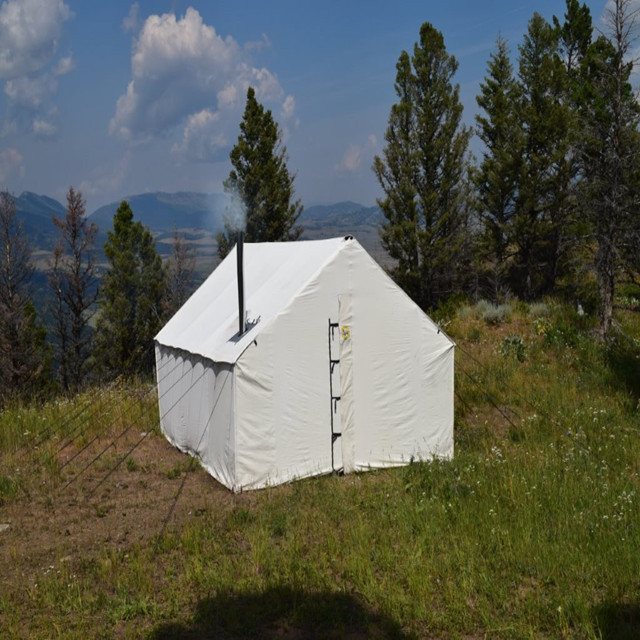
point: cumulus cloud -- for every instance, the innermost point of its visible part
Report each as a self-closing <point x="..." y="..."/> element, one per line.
<point x="202" y="139"/>
<point x="63" y="66"/>
<point x="30" y="32"/>
<point x="258" y="45"/>
<point x="353" y="156"/>
<point x="186" y="76"/>
<point x="11" y="165"/>
<point x="132" y="20"/>
<point x="288" y="108"/>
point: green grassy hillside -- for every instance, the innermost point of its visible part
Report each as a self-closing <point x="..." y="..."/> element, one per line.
<point x="532" y="531"/>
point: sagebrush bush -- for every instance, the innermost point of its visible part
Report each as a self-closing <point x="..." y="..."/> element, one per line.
<point x="493" y="313"/>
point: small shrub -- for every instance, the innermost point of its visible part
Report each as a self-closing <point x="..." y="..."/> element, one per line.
<point x="514" y="344"/>
<point x="630" y="302"/>
<point x="466" y="312"/>
<point x="8" y="488"/>
<point x="176" y="472"/>
<point x="447" y="309"/>
<point x="539" y="310"/>
<point x="541" y="326"/>
<point x="474" y="334"/>
<point x="482" y="306"/>
<point x="496" y="314"/>
<point x="562" y="335"/>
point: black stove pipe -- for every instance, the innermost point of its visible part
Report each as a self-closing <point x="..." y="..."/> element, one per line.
<point x="239" y="256"/>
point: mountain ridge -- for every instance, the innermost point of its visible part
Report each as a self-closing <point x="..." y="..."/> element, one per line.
<point x="199" y="216"/>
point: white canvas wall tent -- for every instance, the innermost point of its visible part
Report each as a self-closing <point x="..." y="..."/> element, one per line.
<point x="337" y="370"/>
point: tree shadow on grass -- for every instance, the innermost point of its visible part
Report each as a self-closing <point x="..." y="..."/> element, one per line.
<point x="618" y="621"/>
<point x="284" y="614"/>
<point x="623" y="359"/>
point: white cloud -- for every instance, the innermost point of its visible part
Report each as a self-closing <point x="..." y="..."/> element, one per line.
<point x="30" y="93"/>
<point x="185" y="75"/>
<point x="351" y="158"/>
<point x="63" y="66"/>
<point x="11" y="165"/>
<point x="202" y="139"/>
<point x="29" y="105"/>
<point x="46" y="127"/>
<point x="132" y="20"/>
<point x="30" y="32"/>
<point x="288" y="107"/>
<point x="258" y="45"/>
<point x="354" y="154"/>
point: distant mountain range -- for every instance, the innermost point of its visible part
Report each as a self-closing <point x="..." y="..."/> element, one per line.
<point x="198" y="217"/>
<point x="162" y="211"/>
<point x="36" y="214"/>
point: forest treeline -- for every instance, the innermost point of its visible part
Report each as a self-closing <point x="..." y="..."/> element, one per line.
<point x="550" y="208"/>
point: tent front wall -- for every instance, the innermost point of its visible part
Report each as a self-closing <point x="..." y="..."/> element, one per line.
<point x="399" y="381"/>
<point x="196" y="404"/>
<point x="402" y="373"/>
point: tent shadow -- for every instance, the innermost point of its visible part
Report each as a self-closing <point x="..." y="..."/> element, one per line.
<point x="283" y="613"/>
<point x="618" y="621"/>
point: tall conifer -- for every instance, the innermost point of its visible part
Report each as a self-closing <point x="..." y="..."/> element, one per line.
<point x="543" y="183"/>
<point x="131" y="303"/>
<point x="259" y="184"/>
<point x="496" y="179"/>
<point x="422" y="172"/>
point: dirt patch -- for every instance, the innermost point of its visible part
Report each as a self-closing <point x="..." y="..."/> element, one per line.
<point x="95" y="506"/>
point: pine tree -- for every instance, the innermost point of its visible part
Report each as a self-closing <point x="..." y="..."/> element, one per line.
<point x="610" y="146"/>
<point x="496" y="179"/>
<point x="131" y="304"/>
<point x="543" y="201"/>
<point x="25" y="357"/>
<point x="259" y="184"/>
<point x="73" y="280"/>
<point x="422" y="172"/>
<point x="574" y="37"/>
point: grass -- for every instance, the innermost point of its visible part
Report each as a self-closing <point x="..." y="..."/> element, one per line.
<point x="532" y="531"/>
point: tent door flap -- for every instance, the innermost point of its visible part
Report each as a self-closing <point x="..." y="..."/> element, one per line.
<point x="347" y="404"/>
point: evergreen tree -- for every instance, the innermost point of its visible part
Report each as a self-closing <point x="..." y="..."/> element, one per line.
<point x="73" y="280"/>
<point x="574" y="38"/>
<point x="422" y="173"/>
<point x="260" y="184"/>
<point x="25" y="357"/>
<point x="610" y="146"/>
<point x="496" y="179"/>
<point x="543" y="201"/>
<point x="131" y="304"/>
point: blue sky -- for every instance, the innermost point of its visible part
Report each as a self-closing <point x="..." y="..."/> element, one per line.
<point x="118" y="98"/>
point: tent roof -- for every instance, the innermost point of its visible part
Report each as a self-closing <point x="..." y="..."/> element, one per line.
<point x="207" y="324"/>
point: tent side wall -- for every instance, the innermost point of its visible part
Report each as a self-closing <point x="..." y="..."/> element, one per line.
<point x="196" y="404"/>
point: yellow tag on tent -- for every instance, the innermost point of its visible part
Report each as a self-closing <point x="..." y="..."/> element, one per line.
<point x="345" y="332"/>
